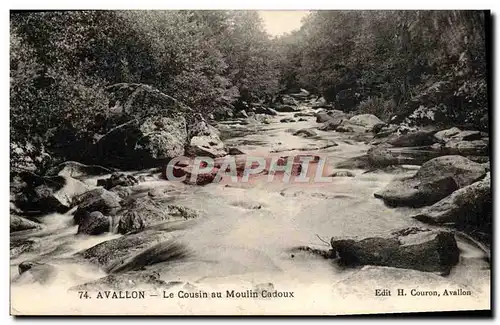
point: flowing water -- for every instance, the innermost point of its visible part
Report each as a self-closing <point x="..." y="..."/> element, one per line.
<point x="244" y="236"/>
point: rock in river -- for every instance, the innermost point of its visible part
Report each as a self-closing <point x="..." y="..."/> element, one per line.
<point x="134" y="251"/>
<point x="47" y="194"/>
<point x="366" y="120"/>
<point x="117" y="179"/>
<point x="94" y="223"/>
<point x="436" y="179"/>
<point x="144" y="142"/>
<point x="305" y="133"/>
<point x="412" y="139"/>
<point x="429" y="251"/>
<point x="143" y="212"/>
<point x="468" y="206"/>
<point x="18" y="223"/>
<point x="97" y="199"/>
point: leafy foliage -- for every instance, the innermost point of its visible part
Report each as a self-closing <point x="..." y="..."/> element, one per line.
<point x="392" y="55"/>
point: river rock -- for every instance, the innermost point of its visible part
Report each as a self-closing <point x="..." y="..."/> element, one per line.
<point x="146" y="142"/>
<point x="470" y="206"/>
<point x="287" y="120"/>
<point x="143" y="212"/>
<point x="382" y="131"/>
<point x="463" y="170"/>
<point x="117" y="179"/>
<point x="130" y="222"/>
<point x="19" y="246"/>
<point x="331" y="125"/>
<point x="94" y="223"/>
<point x="383" y="155"/>
<point x="322" y="117"/>
<point x="347" y="126"/>
<point x="429" y="251"/>
<point x="445" y="135"/>
<point x="207" y="146"/>
<point x="122" y="191"/>
<point x="38" y="272"/>
<point x="47" y="194"/>
<point x="134" y="251"/>
<point x="456" y="134"/>
<point x="18" y="223"/>
<point x="261" y="109"/>
<point x="305" y="133"/>
<point x="366" y="120"/>
<point x="414" y="192"/>
<point x="435" y="180"/>
<point x="412" y="139"/>
<point x="75" y="169"/>
<point x="467" y="148"/>
<point x="97" y="199"/>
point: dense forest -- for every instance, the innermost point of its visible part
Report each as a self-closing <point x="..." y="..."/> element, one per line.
<point x="387" y="63"/>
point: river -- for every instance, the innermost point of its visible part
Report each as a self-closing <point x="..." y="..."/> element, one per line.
<point x="244" y="236"/>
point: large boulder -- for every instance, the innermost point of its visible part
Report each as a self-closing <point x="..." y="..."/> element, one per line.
<point x="134" y="251"/>
<point x="146" y="142"/>
<point x="469" y="206"/>
<point x="422" y="250"/>
<point x="129" y="101"/>
<point x="463" y="170"/>
<point x="94" y="223"/>
<point x="366" y="120"/>
<point x="331" y="125"/>
<point x="41" y="195"/>
<point x="97" y="199"/>
<point x="18" y="223"/>
<point x="414" y="192"/>
<point x="436" y="179"/>
<point x="144" y="212"/>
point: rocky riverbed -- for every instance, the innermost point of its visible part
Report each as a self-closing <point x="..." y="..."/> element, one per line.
<point x="391" y="217"/>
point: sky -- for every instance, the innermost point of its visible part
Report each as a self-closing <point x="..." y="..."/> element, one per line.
<point x="280" y="22"/>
